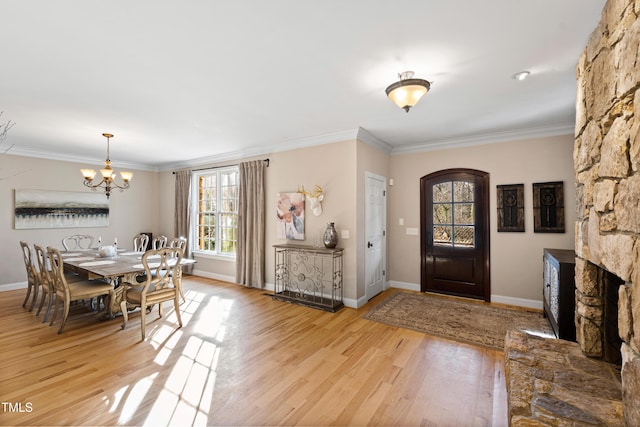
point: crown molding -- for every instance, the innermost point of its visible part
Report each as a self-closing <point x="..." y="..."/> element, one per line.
<point x="265" y="150"/>
<point x="489" y="138"/>
<point x="360" y="134"/>
<point x="26" y="152"/>
<point x="369" y="138"/>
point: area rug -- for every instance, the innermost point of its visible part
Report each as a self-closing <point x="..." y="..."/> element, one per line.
<point x="456" y="319"/>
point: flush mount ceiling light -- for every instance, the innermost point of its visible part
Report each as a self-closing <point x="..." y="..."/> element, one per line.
<point x="108" y="175"/>
<point x="406" y="92"/>
<point x="521" y="75"/>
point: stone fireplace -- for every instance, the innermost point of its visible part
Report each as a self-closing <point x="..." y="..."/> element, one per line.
<point x="607" y="170"/>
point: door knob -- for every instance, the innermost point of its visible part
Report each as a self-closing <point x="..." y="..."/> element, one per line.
<point x="369" y="244"/>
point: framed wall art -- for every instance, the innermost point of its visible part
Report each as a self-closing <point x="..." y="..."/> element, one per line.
<point x="548" y="207"/>
<point x="510" y="207"/>
<point x="290" y="216"/>
<point x="59" y="209"/>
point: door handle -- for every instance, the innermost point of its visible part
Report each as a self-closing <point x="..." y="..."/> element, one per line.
<point x="369" y="245"/>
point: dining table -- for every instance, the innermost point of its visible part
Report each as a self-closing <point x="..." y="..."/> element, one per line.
<point x="125" y="266"/>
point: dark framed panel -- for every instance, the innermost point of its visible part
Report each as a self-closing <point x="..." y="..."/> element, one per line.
<point x="548" y="207"/>
<point x="510" y="207"/>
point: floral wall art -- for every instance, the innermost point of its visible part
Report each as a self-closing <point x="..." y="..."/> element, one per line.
<point x="290" y="216"/>
<point x="60" y="209"/>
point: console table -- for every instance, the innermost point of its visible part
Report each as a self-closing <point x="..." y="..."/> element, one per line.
<point x="309" y="276"/>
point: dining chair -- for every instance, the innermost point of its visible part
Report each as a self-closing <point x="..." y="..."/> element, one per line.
<point x="32" y="275"/>
<point x="66" y="292"/>
<point x="47" y="291"/>
<point x="77" y="241"/>
<point x="179" y="242"/>
<point x="44" y="279"/>
<point x="159" y="242"/>
<point x="162" y="271"/>
<point x="140" y="242"/>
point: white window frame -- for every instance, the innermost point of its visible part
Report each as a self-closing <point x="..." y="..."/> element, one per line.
<point x="195" y="212"/>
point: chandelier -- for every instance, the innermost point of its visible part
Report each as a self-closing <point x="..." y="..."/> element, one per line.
<point x="108" y="175"/>
<point x="406" y="92"/>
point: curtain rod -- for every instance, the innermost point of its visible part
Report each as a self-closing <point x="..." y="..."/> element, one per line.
<point x="225" y="166"/>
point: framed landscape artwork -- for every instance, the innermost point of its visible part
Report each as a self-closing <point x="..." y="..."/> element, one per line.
<point x="60" y="209"/>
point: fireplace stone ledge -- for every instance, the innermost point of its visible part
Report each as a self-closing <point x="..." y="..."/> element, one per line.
<point x="550" y="382"/>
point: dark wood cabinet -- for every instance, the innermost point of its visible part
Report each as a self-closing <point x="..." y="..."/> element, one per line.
<point x="559" y="291"/>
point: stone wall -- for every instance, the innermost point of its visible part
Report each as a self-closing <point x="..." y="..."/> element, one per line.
<point x="607" y="168"/>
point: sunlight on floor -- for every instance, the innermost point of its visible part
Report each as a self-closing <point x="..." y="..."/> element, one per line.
<point x="185" y="398"/>
<point x="133" y="398"/>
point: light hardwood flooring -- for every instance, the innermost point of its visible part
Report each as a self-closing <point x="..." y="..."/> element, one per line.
<point x="241" y="358"/>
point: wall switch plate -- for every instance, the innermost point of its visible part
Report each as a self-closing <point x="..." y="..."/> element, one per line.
<point x="344" y="234"/>
<point x="413" y="231"/>
<point x="401" y="221"/>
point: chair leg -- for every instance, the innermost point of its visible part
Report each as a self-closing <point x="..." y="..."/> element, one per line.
<point x="41" y="303"/>
<point x="55" y="312"/>
<point x="50" y="303"/>
<point x="143" y="320"/>
<point x="26" y="298"/>
<point x="65" y="316"/>
<point x="125" y="315"/>
<point x="176" y="304"/>
<point x="35" y="297"/>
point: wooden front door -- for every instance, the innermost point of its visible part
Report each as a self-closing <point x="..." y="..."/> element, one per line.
<point x="454" y="210"/>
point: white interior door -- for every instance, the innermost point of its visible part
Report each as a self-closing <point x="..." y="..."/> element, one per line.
<point x="376" y="242"/>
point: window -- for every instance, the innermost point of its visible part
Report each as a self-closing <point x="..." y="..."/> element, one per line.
<point x="215" y="196"/>
<point x="453" y="214"/>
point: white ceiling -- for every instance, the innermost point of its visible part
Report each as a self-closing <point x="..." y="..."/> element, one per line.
<point x="187" y="82"/>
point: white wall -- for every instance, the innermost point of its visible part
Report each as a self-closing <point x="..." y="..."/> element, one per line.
<point x="516" y="258"/>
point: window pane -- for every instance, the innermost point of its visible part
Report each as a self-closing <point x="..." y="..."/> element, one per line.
<point x="217" y="211"/>
<point x="464" y="236"/>
<point x="463" y="213"/>
<point x="442" y="235"/>
<point x="442" y="192"/>
<point x="442" y="213"/>
<point x="462" y="191"/>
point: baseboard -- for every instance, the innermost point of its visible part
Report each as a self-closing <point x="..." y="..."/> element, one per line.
<point x="519" y="302"/>
<point x="215" y="276"/>
<point x="230" y="279"/>
<point x="404" y="285"/>
<point x="13" y="286"/>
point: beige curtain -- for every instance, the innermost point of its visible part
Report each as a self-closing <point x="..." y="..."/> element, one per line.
<point x="251" y="222"/>
<point x="182" y="214"/>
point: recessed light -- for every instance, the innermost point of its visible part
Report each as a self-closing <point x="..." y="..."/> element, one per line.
<point x="521" y="75"/>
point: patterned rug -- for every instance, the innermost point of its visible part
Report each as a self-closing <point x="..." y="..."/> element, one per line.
<point x="469" y="322"/>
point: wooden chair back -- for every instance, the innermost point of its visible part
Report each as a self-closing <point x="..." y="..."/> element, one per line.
<point x="77" y="241"/>
<point x="159" y="242"/>
<point x="140" y="242"/>
<point x="179" y="242"/>
<point x="32" y="275"/>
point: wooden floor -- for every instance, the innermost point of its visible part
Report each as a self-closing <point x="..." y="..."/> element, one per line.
<point x="241" y="358"/>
